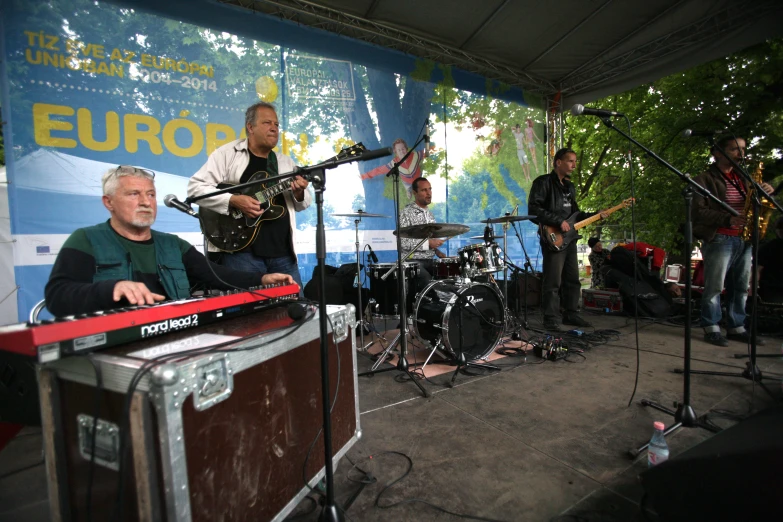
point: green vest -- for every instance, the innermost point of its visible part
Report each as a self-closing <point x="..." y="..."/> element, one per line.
<point x="113" y="262"/>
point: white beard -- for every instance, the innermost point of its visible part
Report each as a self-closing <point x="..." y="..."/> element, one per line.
<point x="143" y="219"/>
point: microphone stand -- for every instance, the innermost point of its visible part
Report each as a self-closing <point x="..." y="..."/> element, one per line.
<point x="402" y="360"/>
<point x="316" y="174"/>
<point x="751" y="371"/>
<point x="685" y="415"/>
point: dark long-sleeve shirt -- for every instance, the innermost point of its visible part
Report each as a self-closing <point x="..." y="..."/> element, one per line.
<point x="71" y="289"/>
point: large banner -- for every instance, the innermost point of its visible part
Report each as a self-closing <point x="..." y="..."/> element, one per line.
<point x="88" y="86"/>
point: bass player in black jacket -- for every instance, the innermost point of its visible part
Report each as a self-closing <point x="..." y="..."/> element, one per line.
<point x="552" y="200"/>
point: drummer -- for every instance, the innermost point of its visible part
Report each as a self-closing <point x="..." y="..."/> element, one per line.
<point x="417" y="213"/>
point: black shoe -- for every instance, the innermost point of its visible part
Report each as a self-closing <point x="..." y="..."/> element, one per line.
<point x="744" y="337"/>
<point x="575" y="320"/>
<point x="551" y="325"/>
<point x="716" y="338"/>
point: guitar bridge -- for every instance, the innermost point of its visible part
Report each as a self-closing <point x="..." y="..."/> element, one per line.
<point x="553" y="237"/>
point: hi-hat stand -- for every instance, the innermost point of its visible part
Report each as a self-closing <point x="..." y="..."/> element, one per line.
<point x="684" y="416"/>
<point x="751" y="371"/>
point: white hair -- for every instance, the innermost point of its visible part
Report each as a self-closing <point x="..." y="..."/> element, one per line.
<point x="111" y="178"/>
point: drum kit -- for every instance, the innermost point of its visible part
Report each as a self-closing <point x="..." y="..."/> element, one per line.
<point x="461" y="311"/>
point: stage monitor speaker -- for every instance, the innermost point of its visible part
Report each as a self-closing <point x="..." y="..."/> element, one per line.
<point x="734" y="475"/>
<point x="531" y="294"/>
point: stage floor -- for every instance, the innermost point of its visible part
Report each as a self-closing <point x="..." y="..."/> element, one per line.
<point x="533" y="442"/>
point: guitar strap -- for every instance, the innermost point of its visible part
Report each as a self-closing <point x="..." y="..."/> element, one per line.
<point x="271" y="163"/>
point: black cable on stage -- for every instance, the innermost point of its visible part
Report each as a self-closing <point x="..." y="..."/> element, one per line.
<point x="635" y="271"/>
<point x="388" y="485"/>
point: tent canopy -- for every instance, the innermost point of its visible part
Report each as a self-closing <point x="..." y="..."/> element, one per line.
<point x="583" y="49"/>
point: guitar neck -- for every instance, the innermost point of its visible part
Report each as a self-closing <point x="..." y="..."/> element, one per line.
<point x="595" y="218"/>
<point x="268" y="193"/>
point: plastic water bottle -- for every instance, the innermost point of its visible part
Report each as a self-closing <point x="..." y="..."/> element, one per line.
<point x="658" y="450"/>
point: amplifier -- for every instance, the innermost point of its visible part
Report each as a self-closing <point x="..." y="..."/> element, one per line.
<point x="530" y="293"/>
<point x="221" y="431"/>
<point x="602" y="300"/>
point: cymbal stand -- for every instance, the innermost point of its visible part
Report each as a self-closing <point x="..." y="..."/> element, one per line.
<point x="402" y="361"/>
<point x="361" y="324"/>
<point x="505" y="260"/>
<point x="527" y="266"/>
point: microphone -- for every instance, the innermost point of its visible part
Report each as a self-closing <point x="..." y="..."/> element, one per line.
<point x="373" y="257"/>
<point x="488" y="234"/>
<point x="377" y="153"/>
<point x="297" y="311"/>
<point x="687" y="133"/>
<point x="171" y="201"/>
<point x="578" y="110"/>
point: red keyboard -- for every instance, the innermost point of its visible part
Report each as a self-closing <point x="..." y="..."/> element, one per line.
<point x="51" y="339"/>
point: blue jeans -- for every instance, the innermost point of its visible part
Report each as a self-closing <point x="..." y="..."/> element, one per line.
<point x="726" y="258"/>
<point x="247" y="262"/>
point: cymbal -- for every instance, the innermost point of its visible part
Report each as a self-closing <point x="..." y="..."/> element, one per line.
<point x="494" y="238"/>
<point x="359" y="214"/>
<point x="433" y="229"/>
<point x="507" y="219"/>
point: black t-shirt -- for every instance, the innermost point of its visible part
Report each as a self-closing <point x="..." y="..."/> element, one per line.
<point x="274" y="236"/>
<point x="567" y="207"/>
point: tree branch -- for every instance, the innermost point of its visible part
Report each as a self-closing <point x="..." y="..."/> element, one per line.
<point x="593" y="175"/>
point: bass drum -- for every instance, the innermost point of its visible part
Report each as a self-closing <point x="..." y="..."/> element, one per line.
<point x="437" y="317"/>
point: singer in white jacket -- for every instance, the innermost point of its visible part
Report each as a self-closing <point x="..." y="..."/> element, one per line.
<point x="236" y="162"/>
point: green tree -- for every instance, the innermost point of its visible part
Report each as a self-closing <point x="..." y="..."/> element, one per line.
<point x="742" y="92"/>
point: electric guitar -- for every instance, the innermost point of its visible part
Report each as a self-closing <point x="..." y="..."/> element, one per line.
<point x="558" y="240"/>
<point x="234" y="231"/>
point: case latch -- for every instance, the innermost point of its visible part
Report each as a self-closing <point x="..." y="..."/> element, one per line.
<point x="214" y="383"/>
<point x="107" y="441"/>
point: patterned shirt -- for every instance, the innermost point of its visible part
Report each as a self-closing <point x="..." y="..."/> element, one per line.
<point x="736" y="199"/>
<point x="413" y="214"/>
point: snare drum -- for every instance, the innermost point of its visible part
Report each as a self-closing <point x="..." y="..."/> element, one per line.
<point x="480" y="258"/>
<point x="445" y="306"/>
<point x="446" y="267"/>
<point x="384" y="297"/>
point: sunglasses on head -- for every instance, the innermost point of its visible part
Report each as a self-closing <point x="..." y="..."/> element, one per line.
<point x="135" y="169"/>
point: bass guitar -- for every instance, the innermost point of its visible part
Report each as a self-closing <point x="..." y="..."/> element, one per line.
<point x="558" y="240"/>
<point x="234" y="231"/>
